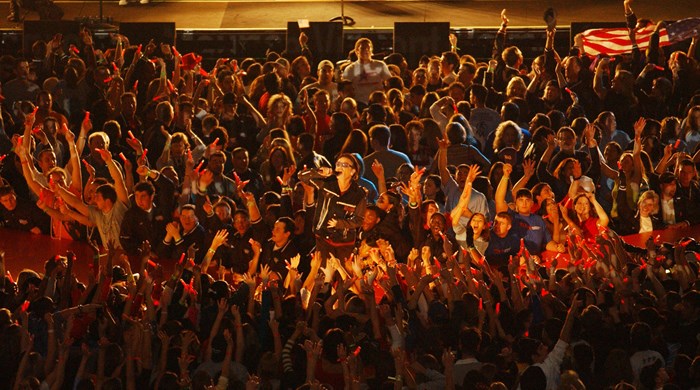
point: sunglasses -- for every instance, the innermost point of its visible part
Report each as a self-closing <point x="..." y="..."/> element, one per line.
<point x="343" y="165"/>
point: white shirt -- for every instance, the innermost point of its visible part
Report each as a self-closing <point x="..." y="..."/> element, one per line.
<point x="668" y="213"/>
<point x="366" y="78"/>
<point x="645" y="224"/>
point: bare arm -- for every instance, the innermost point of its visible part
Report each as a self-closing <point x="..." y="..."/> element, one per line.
<point x="500" y="196"/>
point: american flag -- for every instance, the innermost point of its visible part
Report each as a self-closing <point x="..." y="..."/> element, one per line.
<point x="683" y="29"/>
<point x="615" y="41"/>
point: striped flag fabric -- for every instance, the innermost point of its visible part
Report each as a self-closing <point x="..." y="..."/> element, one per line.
<point x="616" y="41"/>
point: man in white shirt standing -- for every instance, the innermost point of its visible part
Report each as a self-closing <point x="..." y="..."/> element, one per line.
<point x="367" y="75"/>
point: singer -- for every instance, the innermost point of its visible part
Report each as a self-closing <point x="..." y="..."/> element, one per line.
<point x="339" y="206"/>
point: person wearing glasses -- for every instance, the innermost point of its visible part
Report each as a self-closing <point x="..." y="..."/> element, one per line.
<point x="338" y="207"/>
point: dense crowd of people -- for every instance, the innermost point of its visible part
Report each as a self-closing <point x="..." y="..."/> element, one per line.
<point x="352" y="225"/>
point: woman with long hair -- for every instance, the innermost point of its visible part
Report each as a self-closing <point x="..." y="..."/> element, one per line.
<point x="690" y="132"/>
<point x="356" y="143"/>
<point x="589" y="216"/>
<point x="340" y="127"/>
<point x="552" y="216"/>
<point x="279" y="111"/>
<point x="278" y="159"/>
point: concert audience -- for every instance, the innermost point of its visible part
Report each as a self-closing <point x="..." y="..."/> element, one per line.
<point x="383" y="229"/>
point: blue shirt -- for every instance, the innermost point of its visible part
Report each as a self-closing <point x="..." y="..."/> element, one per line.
<point x="533" y="229"/>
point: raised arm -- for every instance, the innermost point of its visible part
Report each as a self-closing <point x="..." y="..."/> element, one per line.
<point x="119" y="186"/>
<point x="598" y="86"/>
<point x="502" y="189"/>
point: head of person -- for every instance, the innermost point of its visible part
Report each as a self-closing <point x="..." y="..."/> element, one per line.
<point x="389" y="201"/>
<point x="456" y="133"/>
<point x="355" y="143"/>
<point x="282" y="230"/>
<point x="516" y="88"/>
<point x="510" y="112"/>
<point x="47" y="160"/>
<point x="8" y="198"/>
<point x="165" y="112"/>
<point x="373" y="216"/>
<point x="420" y="77"/>
<point x="583" y="207"/>
<point x="240" y="159"/>
<point x="449" y="62"/>
<point x="431" y="186"/>
<point x="348" y="107"/>
<point x="542" y="191"/>
<point x="363" y="49"/>
<point x="144" y="192"/>
<point x="567" y="139"/>
<point x="379" y="136"/>
<point x="552" y="92"/>
<point x="508" y="135"/>
<point x="686" y="173"/>
<point x="216" y="162"/>
<point x="667" y="183"/>
<point x="347" y="167"/>
<point x="279" y="106"/>
<point x="128" y="104"/>
<point x="325" y="72"/>
<point x="105" y="197"/>
<point x="502" y="224"/>
<point x="477" y="223"/>
<point x="188" y="217"/>
<point x="572" y="68"/>
<point x="466" y="73"/>
<point x="98" y="140"/>
<point x="322" y="101"/>
<point x="648" y="203"/>
<point x="478" y="94"/>
<point x="340" y="124"/>
<point x="241" y="221"/>
<point x="512" y="56"/>
<point x="523" y="201"/>
<point x="414" y="132"/>
<point x="437" y="224"/>
<point x="301" y="67"/>
<point x="222" y="209"/>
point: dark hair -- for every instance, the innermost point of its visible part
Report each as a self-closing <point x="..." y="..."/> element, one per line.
<point x="145" y="187"/>
<point x="108" y="192"/>
<point x="306" y="141"/>
<point x="399" y="139"/>
<point x="288" y="224"/>
<point x="470" y="340"/>
<point x="355" y="143"/>
<point x="523" y="193"/>
<point x="381" y="134"/>
<point x="511" y="112"/>
<point x="480" y="92"/>
<point x="456" y="133"/>
<point x="451" y="58"/>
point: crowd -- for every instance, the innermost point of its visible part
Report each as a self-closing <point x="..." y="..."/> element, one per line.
<point x="352" y="225"/>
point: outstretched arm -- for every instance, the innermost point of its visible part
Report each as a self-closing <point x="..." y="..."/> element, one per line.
<point x="116" y="174"/>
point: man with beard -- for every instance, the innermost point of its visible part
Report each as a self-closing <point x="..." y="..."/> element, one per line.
<point x="212" y="179"/>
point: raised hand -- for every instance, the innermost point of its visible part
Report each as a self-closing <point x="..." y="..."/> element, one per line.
<point x="504" y="17"/>
<point x="453" y="40"/>
<point x="206" y="178"/>
<point x="529" y="167"/>
<point x="377" y="168"/>
<point x="105" y="155"/>
<point x="265" y="273"/>
<point x="219" y="239"/>
<point x="474" y="172"/>
<point x="507" y="170"/>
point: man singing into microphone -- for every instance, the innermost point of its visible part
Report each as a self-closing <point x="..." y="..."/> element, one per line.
<point x="339" y="206"/>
